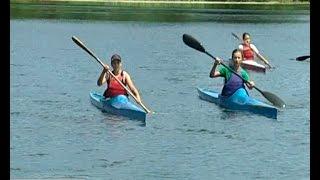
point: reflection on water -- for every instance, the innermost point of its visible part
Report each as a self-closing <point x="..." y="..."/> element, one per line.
<point x="157" y="15"/>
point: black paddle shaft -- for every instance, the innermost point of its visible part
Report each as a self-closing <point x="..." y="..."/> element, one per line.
<point x="230" y="70"/>
<point x="195" y="44"/>
<point x="233" y="72"/>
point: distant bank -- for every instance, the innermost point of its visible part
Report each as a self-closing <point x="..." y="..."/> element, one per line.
<point x="263" y="5"/>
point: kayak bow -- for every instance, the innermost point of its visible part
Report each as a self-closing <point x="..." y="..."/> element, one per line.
<point x="119" y="105"/>
<point x="239" y="101"/>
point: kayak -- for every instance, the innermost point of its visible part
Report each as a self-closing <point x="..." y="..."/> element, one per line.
<point x="239" y="101"/>
<point x="253" y="66"/>
<point x="118" y="105"/>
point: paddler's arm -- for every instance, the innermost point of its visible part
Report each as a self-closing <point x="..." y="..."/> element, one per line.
<point x="213" y="72"/>
<point x="132" y="87"/>
<point x="256" y="51"/>
<point x="245" y="76"/>
<point x="263" y="59"/>
<point x="103" y="76"/>
<point x="250" y="84"/>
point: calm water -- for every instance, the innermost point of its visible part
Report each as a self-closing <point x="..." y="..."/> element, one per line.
<point x="56" y="133"/>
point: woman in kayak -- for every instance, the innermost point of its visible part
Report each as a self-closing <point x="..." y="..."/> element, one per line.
<point x="231" y="81"/>
<point x="114" y="88"/>
<point x="250" y="50"/>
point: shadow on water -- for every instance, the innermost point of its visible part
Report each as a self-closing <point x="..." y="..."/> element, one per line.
<point x="105" y="13"/>
<point x="234" y="115"/>
<point x="119" y="121"/>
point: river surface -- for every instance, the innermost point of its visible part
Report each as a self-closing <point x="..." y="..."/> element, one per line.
<point x="55" y="132"/>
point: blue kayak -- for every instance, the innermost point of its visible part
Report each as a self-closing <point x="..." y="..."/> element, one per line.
<point x="119" y="105"/>
<point x="239" y="101"/>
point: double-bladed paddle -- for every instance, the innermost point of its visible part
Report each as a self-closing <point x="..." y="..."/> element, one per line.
<point x="195" y="44"/>
<point x="258" y="54"/>
<point x="302" y="58"/>
<point x="80" y="44"/>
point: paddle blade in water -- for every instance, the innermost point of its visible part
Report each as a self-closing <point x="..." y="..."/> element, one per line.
<point x="192" y="42"/>
<point x="302" y="58"/>
<point x="275" y="100"/>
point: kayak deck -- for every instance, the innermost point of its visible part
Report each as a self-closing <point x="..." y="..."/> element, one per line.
<point x="253" y="66"/>
<point x="119" y="105"/>
<point x="239" y="101"/>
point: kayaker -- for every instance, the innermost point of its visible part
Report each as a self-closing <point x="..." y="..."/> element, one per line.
<point x="114" y="88"/>
<point x="249" y="50"/>
<point x="231" y="81"/>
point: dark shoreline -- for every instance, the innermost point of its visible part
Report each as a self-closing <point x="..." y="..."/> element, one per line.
<point x="163" y="12"/>
<point x="172" y="4"/>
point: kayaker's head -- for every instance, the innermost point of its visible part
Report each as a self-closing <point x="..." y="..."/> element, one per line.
<point x="237" y="58"/>
<point x="116" y="62"/>
<point x="246" y="38"/>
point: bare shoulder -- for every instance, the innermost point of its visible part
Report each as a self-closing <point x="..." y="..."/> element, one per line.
<point x="252" y="46"/>
<point x="126" y="74"/>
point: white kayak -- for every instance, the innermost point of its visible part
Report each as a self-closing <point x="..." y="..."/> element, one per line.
<point x="253" y="66"/>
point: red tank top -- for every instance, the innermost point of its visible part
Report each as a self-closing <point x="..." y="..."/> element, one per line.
<point x="248" y="53"/>
<point x="114" y="87"/>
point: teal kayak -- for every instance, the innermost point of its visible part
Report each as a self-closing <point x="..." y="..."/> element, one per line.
<point x="119" y="105"/>
<point x="240" y="100"/>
